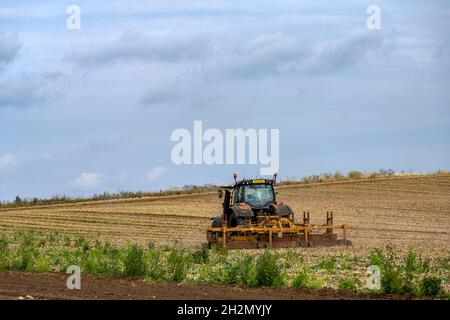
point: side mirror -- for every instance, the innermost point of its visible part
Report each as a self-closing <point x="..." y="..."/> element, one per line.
<point x="220" y="193"/>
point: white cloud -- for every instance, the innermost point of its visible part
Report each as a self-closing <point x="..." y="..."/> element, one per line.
<point x="20" y="92"/>
<point x="161" y="95"/>
<point x="266" y="54"/>
<point x="353" y="48"/>
<point x="156" y="173"/>
<point x="299" y="61"/>
<point x="157" y="46"/>
<point x="86" y="181"/>
<point x="8" y="160"/>
<point x="27" y="89"/>
<point x="11" y="161"/>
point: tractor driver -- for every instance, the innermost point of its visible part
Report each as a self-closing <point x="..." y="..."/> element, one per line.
<point x="250" y="195"/>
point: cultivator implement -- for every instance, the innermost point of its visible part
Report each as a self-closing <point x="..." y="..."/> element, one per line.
<point x="253" y="218"/>
<point x="275" y="231"/>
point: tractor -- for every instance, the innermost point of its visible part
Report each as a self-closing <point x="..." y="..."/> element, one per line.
<point x="253" y="218"/>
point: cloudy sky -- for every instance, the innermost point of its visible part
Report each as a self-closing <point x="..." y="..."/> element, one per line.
<point x="89" y="110"/>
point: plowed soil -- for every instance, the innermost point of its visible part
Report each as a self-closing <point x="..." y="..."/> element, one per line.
<point x="411" y="211"/>
<point x="25" y="285"/>
<point x="407" y="212"/>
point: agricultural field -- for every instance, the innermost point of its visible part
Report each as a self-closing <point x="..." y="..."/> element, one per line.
<point x="401" y="211"/>
<point x="410" y="215"/>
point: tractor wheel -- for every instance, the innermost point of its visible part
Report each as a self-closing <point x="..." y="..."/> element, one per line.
<point x="217" y="222"/>
<point x="284" y="211"/>
<point x="234" y="221"/>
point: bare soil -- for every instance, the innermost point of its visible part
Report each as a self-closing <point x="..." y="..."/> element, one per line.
<point x="400" y="211"/>
<point x="52" y="286"/>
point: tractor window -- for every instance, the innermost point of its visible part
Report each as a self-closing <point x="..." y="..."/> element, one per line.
<point x="257" y="195"/>
<point x="238" y="195"/>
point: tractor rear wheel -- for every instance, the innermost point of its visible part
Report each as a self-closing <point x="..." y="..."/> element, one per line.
<point x="217" y="222"/>
<point x="234" y="221"/>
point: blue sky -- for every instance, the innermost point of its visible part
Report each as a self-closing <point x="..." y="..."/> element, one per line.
<point x="89" y="110"/>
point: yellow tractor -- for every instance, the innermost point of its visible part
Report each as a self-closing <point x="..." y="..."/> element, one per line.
<point x="253" y="218"/>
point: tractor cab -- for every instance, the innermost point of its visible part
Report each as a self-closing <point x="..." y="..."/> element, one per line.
<point x="249" y="200"/>
<point x="257" y="193"/>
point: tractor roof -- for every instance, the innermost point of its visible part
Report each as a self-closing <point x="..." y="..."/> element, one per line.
<point x="249" y="182"/>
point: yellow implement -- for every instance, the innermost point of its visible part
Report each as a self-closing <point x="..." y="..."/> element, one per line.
<point x="275" y="231"/>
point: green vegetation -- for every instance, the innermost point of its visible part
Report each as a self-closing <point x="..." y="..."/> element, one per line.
<point x="39" y="252"/>
<point x="62" y="199"/>
<point x="240" y="271"/>
<point x="134" y="261"/>
<point x="327" y="263"/>
<point x="349" y="284"/>
<point x="410" y="276"/>
<point x="300" y="280"/>
<point x="201" y="255"/>
<point x="431" y="286"/>
<point x="177" y="265"/>
<point x="268" y="271"/>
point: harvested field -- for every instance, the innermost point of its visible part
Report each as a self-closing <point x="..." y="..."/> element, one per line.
<point x="401" y="211"/>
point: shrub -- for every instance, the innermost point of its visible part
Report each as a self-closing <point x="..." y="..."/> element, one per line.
<point x="41" y="265"/>
<point x="391" y="277"/>
<point x="151" y="245"/>
<point x="315" y="283"/>
<point x="349" y="284"/>
<point x="134" y="261"/>
<point x="201" y="255"/>
<point x="230" y="273"/>
<point x="25" y="253"/>
<point x="327" y="264"/>
<point x="348" y="263"/>
<point x="431" y="286"/>
<point x="338" y="175"/>
<point x="247" y="271"/>
<point x="300" y="280"/>
<point x="376" y="258"/>
<point x="391" y="282"/>
<point x="101" y="259"/>
<point x="355" y="175"/>
<point x="444" y="263"/>
<point x="412" y="264"/>
<point x="244" y="271"/>
<point x="240" y="271"/>
<point x="221" y="251"/>
<point x="177" y="265"/>
<point x="4" y="245"/>
<point x="396" y="278"/>
<point x="155" y="270"/>
<point x="292" y="259"/>
<point x="268" y="272"/>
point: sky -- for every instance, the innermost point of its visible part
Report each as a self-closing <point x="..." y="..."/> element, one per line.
<point x="88" y="110"/>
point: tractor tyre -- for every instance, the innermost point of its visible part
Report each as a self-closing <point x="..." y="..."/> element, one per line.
<point x="284" y="211"/>
<point x="234" y="220"/>
<point x="217" y="222"/>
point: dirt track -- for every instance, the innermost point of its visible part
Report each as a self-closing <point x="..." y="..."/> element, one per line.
<point x="25" y="285"/>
